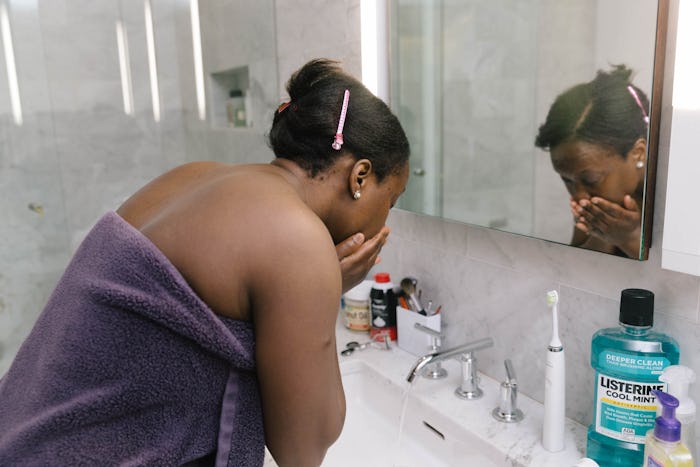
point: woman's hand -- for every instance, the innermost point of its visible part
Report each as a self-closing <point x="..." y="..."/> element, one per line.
<point x="358" y="256"/>
<point x="618" y="225"/>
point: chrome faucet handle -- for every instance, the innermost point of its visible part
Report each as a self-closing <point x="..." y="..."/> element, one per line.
<point x="507" y="410"/>
<point x="469" y="389"/>
<point x="436" y="336"/>
<point x="510" y="372"/>
<point x="434" y="370"/>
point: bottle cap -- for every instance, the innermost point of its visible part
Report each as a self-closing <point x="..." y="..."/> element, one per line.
<point x="667" y="427"/>
<point x="382" y="277"/>
<point x="637" y="307"/>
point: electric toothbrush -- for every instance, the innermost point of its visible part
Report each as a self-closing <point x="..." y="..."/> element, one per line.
<point x="553" y="428"/>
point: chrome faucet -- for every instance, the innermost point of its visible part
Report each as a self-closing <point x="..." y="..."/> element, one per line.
<point x="469" y="389"/>
<point x="432" y="370"/>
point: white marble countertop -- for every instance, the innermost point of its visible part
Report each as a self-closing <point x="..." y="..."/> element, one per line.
<point x="520" y="442"/>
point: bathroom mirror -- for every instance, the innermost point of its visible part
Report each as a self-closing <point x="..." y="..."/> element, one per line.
<point x="472" y="81"/>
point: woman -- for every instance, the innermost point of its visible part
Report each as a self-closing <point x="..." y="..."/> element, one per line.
<point x="596" y="136"/>
<point x="214" y="313"/>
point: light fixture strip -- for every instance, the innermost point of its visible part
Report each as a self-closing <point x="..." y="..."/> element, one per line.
<point x="152" y="64"/>
<point x="369" y="45"/>
<point x="374" y="44"/>
<point x="198" y="62"/>
<point x="125" y="68"/>
<point x="10" y="65"/>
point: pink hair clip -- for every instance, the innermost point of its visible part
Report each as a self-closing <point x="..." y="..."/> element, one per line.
<point x="338" y="141"/>
<point x="630" y="88"/>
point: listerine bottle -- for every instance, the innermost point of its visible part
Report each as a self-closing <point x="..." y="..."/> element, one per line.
<point x="628" y="361"/>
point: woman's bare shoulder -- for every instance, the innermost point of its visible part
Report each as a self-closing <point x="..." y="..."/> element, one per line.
<point x="172" y="188"/>
<point x="266" y="236"/>
<point x="272" y="217"/>
<point x="276" y="211"/>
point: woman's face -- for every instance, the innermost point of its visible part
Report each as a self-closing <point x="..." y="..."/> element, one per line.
<point x="372" y="209"/>
<point x="589" y="170"/>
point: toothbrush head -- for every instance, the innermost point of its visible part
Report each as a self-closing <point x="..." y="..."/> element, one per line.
<point x="552" y="300"/>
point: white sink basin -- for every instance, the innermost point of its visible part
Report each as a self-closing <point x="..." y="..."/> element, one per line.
<point x="370" y="435"/>
<point x="439" y="429"/>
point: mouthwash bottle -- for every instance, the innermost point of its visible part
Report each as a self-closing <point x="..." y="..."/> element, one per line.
<point x="628" y="361"/>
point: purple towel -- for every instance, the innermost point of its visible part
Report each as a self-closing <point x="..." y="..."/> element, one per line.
<point x="127" y="366"/>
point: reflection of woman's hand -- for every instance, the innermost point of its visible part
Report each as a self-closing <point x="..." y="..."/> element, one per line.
<point x="618" y="225"/>
<point x="357" y="256"/>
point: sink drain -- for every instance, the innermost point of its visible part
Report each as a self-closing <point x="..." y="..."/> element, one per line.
<point x="433" y="429"/>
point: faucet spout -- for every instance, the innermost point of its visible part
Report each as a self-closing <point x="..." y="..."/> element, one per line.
<point x="434" y="357"/>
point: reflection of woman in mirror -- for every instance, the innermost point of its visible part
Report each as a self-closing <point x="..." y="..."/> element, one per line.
<point x="596" y="135"/>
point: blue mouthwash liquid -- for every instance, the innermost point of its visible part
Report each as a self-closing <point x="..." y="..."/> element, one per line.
<point x="628" y="361"/>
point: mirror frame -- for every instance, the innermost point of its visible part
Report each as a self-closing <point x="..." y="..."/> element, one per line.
<point x="654" y="125"/>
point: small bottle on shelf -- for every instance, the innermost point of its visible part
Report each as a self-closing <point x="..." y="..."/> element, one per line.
<point x="235" y="109"/>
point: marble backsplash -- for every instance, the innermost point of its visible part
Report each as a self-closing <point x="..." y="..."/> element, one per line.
<point x="494" y="284"/>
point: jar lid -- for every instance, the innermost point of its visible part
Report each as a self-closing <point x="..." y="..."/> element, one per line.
<point x="360" y="292"/>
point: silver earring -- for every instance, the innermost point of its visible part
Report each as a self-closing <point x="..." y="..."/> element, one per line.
<point x="357" y="194"/>
<point x="640" y="164"/>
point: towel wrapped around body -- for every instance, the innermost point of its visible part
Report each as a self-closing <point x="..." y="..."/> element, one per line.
<point x="126" y="365"/>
